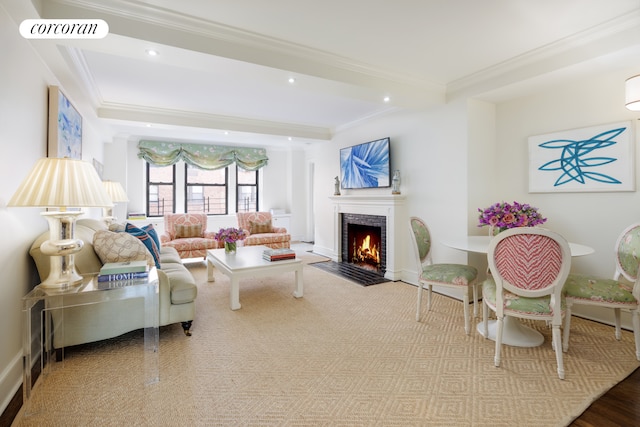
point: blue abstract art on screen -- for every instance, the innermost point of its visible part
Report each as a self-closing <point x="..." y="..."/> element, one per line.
<point x="366" y="165"/>
<point x="579" y="160"/>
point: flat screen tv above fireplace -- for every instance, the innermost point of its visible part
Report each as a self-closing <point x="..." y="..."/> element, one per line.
<point x="366" y="165"/>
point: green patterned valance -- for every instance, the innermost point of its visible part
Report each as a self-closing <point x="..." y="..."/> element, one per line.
<point x="209" y="157"/>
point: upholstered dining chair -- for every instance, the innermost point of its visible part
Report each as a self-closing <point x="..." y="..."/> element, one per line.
<point x="620" y="293"/>
<point x="528" y="266"/>
<point x="457" y="276"/>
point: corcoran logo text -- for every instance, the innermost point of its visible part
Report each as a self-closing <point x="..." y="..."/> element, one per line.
<point x="64" y="29"/>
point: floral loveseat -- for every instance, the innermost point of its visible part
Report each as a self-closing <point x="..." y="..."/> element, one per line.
<point x="260" y="230"/>
<point x="187" y="233"/>
<point x="177" y="289"/>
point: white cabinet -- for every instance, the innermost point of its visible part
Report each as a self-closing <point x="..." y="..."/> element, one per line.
<point x="282" y="220"/>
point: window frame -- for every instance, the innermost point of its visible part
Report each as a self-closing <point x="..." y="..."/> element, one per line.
<point x="150" y="183"/>
<point x="225" y="185"/>
<point x="257" y="189"/>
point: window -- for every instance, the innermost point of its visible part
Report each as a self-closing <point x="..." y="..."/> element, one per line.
<point x="206" y="190"/>
<point x="246" y="190"/>
<point x="161" y="190"/>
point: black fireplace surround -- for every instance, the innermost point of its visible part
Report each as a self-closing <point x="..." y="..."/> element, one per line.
<point x="374" y="224"/>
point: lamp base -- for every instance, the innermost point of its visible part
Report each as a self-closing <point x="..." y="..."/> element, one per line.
<point x="61" y="247"/>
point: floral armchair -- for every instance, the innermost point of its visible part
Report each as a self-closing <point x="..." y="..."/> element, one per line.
<point x="260" y="230"/>
<point x="188" y="234"/>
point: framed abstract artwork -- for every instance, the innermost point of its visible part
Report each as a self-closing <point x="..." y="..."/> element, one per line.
<point x="596" y="158"/>
<point x="65" y="127"/>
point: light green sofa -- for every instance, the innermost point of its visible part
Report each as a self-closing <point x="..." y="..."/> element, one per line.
<point x="83" y="324"/>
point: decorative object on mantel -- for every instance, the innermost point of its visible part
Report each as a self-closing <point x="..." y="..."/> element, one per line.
<point x="395" y="182"/>
<point x="61" y="183"/>
<point x="502" y="216"/>
<point x="632" y="93"/>
<point x="230" y="237"/>
<point x="336" y="192"/>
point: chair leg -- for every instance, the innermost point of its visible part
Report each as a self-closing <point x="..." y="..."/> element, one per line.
<point x="475" y="300"/>
<point x="429" y="289"/>
<point x="419" y="301"/>
<point x="635" y="318"/>
<point x="467" y="321"/>
<point x="186" y="327"/>
<point x="557" y="338"/>
<point x="616" y="312"/>
<point x="485" y="318"/>
<point x="499" y="324"/>
<point x="567" y="327"/>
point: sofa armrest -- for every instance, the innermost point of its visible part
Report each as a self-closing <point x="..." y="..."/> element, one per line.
<point x="165" y="237"/>
<point x="209" y="235"/>
<point x="279" y="230"/>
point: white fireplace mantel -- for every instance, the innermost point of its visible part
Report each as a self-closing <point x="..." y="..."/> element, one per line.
<point x="392" y="207"/>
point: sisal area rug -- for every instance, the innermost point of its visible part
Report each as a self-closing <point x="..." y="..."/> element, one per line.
<point x="344" y="355"/>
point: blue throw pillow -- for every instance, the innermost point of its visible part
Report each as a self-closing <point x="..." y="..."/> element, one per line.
<point x="146" y="239"/>
<point x="151" y="231"/>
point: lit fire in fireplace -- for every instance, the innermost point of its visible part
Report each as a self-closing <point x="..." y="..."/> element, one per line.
<point x="366" y="252"/>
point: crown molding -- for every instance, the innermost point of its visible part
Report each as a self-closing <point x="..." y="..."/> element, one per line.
<point x="136" y="113"/>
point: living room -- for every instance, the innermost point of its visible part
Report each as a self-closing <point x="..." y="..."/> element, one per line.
<point x="454" y="157"/>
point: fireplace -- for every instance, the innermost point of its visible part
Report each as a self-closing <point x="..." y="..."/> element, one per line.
<point x="383" y="211"/>
<point x="364" y="241"/>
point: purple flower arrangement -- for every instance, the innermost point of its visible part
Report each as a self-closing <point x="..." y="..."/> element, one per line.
<point x="510" y="215"/>
<point x="230" y="235"/>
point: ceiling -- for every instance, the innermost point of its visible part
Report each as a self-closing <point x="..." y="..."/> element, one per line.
<point x="223" y="69"/>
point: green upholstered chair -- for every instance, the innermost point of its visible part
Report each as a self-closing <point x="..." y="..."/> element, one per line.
<point x="620" y="293"/>
<point x="528" y="267"/>
<point x="457" y="276"/>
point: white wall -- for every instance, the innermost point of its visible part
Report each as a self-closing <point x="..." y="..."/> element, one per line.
<point x="594" y="219"/>
<point x="23" y="137"/>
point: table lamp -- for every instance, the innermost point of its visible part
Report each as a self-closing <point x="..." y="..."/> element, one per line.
<point x="116" y="194"/>
<point x="61" y="183"/>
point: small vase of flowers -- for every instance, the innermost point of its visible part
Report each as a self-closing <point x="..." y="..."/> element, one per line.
<point x="230" y="237"/>
<point x="502" y="216"/>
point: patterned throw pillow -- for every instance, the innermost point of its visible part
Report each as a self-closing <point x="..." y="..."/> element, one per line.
<point x="184" y="231"/>
<point x="256" y="227"/>
<point x="151" y="231"/>
<point x="111" y="246"/>
<point x="144" y="237"/>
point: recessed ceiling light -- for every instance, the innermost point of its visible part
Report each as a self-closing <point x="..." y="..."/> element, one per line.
<point x="292" y="80"/>
<point x="290" y="139"/>
<point x="386" y="99"/>
<point x="226" y="132"/>
<point x="152" y="52"/>
<point x="148" y="125"/>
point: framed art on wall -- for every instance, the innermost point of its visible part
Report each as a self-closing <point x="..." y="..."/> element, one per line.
<point x="596" y="158"/>
<point x="65" y="127"/>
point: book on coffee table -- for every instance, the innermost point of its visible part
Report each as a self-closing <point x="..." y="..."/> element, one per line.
<point x="278" y="254"/>
<point x="124" y="267"/>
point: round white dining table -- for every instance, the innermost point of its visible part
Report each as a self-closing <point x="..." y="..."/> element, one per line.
<point x="514" y="333"/>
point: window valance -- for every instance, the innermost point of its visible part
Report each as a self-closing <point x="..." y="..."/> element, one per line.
<point x="203" y="156"/>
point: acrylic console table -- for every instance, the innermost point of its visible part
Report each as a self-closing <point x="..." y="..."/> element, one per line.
<point x="43" y="310"/>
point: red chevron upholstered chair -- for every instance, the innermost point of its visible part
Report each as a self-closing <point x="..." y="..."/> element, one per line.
<point x="529" y="266"/>
<point x="620" y="293"/>
<point x="457" y="276"/>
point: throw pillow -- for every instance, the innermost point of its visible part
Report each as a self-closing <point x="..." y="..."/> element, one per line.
<point x="116" y="226"/>
<point x="184" y="231"/>
<point x="111" y="246"/>
<point x="256" y="227"/>
<point x="144" y="237"/>
<point x="151" y="231"/>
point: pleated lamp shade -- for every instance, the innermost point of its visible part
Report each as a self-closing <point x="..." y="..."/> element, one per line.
<point x="61" y="183"/>
<point x="632" y="93"/>
<point x="115" y="191"/>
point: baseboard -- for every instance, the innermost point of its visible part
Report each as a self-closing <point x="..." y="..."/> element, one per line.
<point x="11" y="390"/>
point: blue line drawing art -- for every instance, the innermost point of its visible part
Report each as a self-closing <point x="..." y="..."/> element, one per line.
<point x="574" y="162"/>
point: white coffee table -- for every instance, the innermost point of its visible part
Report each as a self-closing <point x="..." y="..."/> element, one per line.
<point x="248" y="262"/>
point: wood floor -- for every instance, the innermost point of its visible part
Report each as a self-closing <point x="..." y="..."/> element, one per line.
<point x="620" y="406"/>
